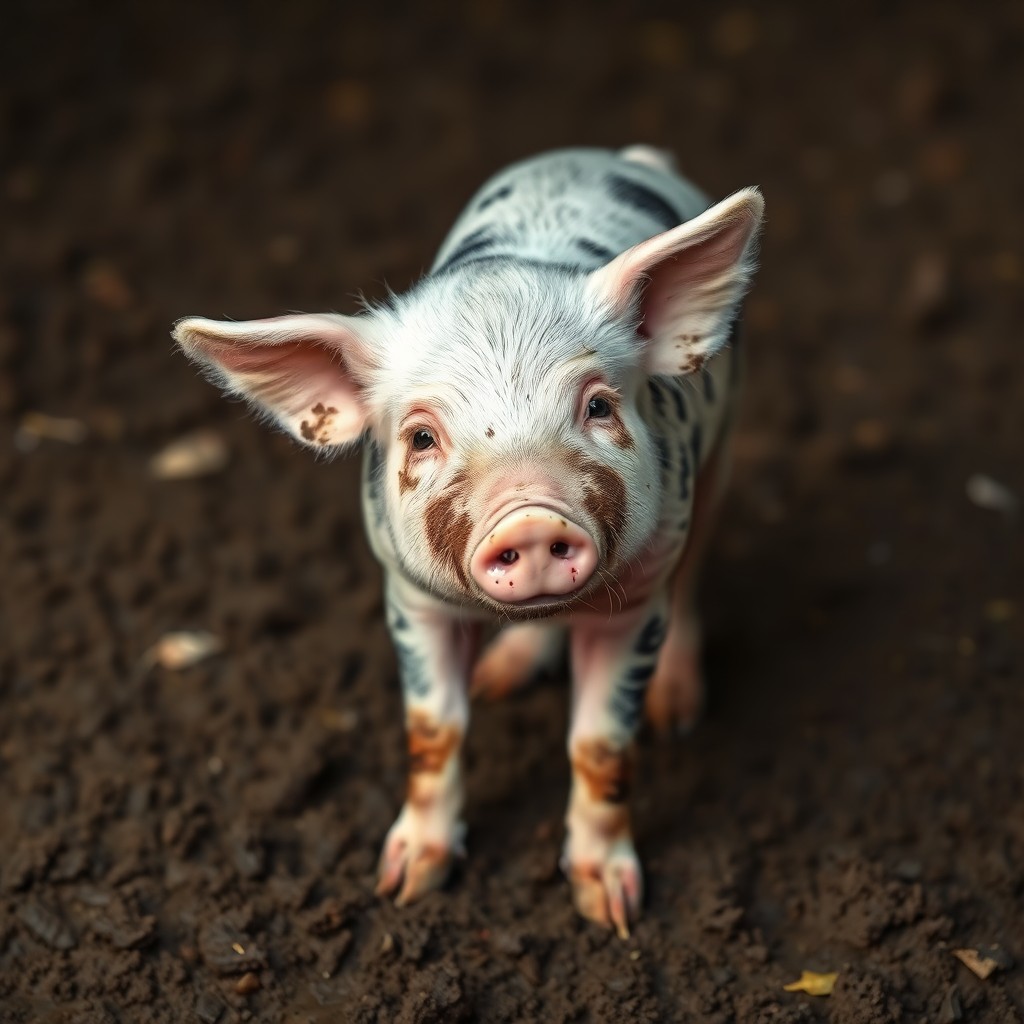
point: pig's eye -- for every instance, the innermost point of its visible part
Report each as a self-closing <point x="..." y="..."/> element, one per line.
<point x="598" y="409"/>
<point x="422" y="440"/>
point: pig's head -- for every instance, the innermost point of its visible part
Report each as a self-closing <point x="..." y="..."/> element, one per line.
<point x="516" y="466"/>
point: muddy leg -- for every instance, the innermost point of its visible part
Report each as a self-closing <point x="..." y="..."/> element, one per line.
<point x="434" y="653"/>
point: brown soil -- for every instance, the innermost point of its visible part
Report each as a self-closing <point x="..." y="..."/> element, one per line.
<point x="200" y="844"/>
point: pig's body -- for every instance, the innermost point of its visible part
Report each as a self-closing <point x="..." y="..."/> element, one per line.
<point x="545" y="417"/>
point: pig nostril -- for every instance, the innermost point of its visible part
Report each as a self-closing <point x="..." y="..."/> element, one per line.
<point x="560" y="549"/>
<point x="508" y="557"/>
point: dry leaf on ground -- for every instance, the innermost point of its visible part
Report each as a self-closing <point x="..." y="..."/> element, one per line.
<point x="984" y="960"/>
<point x="813" y="984"/>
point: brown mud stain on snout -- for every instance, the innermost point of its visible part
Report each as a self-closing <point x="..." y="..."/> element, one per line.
<point x="431" y="745"/>
<point x="319" y="429"/>
<point x="604" y="498"/>
<point x="448" y="526"/>
<point x="606" y="771"/>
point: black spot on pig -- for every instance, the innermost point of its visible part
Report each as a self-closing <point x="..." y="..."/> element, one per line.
<point x="709" y="385"/>
<point x="644" y="200"/>
<point x="411" y="669"/>
<point x="684" y="473"/>
<point x="697" y="443"/>
<point x="657" y="396"/>
<point x="651" y="636"/>
<point x="599" y="252"/>
<point x="396" y="619"/>
<point x="664" y="460"/>
<point x="680" y="404"/>
<point x="628" y="699"/>
<point x="474" y="244"/>
<point x="498" y="194"/>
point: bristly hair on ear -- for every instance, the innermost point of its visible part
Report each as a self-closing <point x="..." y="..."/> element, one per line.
<point x="305" y="372"/>
<point x="684" y="286"/>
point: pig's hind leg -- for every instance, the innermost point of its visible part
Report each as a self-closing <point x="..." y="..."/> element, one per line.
<point x="519" y="654"/>
<point x="675" y="697"/>
<point x="435" y="650"/>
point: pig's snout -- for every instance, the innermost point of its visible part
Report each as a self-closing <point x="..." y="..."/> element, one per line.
<point x="533" y="553"/>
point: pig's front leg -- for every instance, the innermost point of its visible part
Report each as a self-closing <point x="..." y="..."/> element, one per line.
<point x="612" y="662"/>
<point x="435" y="650"/>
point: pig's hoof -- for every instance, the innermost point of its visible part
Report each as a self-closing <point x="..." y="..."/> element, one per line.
<point x="609" y="893"/>
<point x="414" y="861"/>
<point x="517" y="656"/>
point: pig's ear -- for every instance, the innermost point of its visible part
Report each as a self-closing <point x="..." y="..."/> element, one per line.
<point x="307" y="372"/>
<point x="685" y="285"/>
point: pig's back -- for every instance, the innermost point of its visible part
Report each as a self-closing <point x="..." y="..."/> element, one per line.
<point x="573" y="207"/>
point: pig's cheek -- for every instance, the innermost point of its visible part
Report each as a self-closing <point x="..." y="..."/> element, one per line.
<point x="644" y="483"/>
<point x="410" y="484"/>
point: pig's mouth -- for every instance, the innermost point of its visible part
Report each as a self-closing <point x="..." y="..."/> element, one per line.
<point x="538" y="607"/>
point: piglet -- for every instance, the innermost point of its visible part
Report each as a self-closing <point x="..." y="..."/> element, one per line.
<point x="544" y="418"/>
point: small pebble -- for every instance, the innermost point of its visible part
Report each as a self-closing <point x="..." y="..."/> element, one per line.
<point x="990" y="494"/>
<point x="47" y="924"/>
<point x="928" y="292"/>
<point x="183" y="649"/>
<point x="908" y="870"/>
<point x="723" y="976"/>
<point x="209" y="1008"/>
<point x="201" y="453"/>
<point x="37" y="426"/>
<point x="247" y="983"/>
<point x="508" y="942"/>
<point x="952" y="1009"/>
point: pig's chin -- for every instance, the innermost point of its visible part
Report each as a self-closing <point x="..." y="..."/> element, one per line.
<point x="533" y="608"/>
<point x="544" y="606"/>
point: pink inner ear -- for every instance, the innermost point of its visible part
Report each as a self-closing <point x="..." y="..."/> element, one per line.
<point x="679" y="278"/>
<point x="302" y="384"/>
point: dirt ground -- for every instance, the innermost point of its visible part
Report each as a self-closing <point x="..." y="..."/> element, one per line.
<point x="199" y="845"/>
